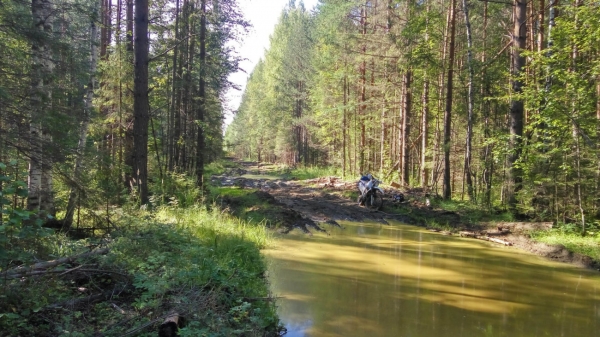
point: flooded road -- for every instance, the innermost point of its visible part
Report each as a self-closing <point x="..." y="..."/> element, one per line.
<point x="370" y="279"/>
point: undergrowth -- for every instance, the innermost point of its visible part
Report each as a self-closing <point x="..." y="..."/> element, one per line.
<point x="201" y="264"/>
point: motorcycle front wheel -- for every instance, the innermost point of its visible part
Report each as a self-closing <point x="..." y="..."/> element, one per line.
<point x="374" y="201"/>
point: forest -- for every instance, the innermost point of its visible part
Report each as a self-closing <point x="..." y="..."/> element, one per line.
<point x="112" y="121"/>
<point x="111" y="114"/>
<point x="494" y="102"/>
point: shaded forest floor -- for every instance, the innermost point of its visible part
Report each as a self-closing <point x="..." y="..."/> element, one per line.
<point x="259" y="192"/>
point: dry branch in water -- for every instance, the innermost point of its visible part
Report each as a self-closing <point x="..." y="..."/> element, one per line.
<point x="484" y="237"/>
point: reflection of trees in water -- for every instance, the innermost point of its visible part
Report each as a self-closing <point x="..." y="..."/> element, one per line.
<point x="380" y="280"/>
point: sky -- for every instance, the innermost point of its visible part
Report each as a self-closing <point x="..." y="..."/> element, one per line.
<point x="263" y="15"/>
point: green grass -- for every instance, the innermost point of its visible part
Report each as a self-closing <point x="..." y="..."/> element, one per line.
<point x="219" y="167"/>
<point x="245" y="204"/>
<point x="303" y="173"/>
<point x="435" y="224"/>
<point x="311" y="172"/>
<point x="570" y="236"/>
<point x="473" y="213"/>
<point x="202" y="263"/>
<point x="346" y="194"/>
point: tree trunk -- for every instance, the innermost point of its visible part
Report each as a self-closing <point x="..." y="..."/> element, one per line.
<point x="345" y="126"/>
<point x="425" y="134"/>
<point x="201" y="97"/>
<point x="129" y="25"/>
<point x="68" y="220"/>
<point x="178" y="113"/>
<point x="447" y="190"/>
<point x="540" y="37"/>
<point x="103" y="28"/>
<point x="574" y="117"/>
<point x="468" y="149"/>
<point x="140" y="104"/>
<point x="39" y="181"/>
<point x="187" y="94"/>
<point x="487" y="154"/>
<point x="406" y="128"/>
<point x="363" y="85"/>
<point x="383" y="148"/>
<point x="425" y="117"/>
<point x="597" y="204"/>
<point x="128" y="138"/>
<point x="516" y="107"/>
<point x="172" y="141"/>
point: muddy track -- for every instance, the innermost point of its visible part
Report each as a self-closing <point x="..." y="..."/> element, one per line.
<point x="315" y="204"/>
<point x="300" y="205"/>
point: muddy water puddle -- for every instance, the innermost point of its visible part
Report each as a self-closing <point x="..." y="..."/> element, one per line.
<point x="395" y="280"/>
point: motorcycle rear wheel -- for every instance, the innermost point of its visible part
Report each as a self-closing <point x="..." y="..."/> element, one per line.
<point x="374" y="201"/>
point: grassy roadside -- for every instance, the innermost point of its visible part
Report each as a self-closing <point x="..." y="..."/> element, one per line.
<point x="567" y="235"/>
<point x="570" y="237"/>
<point x="179" y="259"/>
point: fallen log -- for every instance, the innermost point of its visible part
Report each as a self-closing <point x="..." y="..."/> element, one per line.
<point x="395" y="184"/>
<point x="345" y="185"/>
<point x="37" y="268"/>
<point x="76" y="302"/>
<point x="496" y="240"/>
<point x="484" y="237"/>
<point x="116" y="307"/>
<point x="500" y="241"/>
<point x="170" y="326"/>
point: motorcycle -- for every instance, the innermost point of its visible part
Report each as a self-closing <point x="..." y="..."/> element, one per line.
<point x="371" y="195"/>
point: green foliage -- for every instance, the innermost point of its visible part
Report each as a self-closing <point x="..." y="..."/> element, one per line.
<point x="245" y="204"/>
<point x="21" y="232"/>
<point x="473" y="213"/>
<point x="561" y="152"/>
<point x="569" y="235"/>
<point x="176" y="189"/>
<point x="202" y="264"/>
<point x="219" y="167"/>
<point x="274" y="109"/>
<point x="435" y="224"/>
<point x="193" y="250"/>
<point x="306" y="172"/>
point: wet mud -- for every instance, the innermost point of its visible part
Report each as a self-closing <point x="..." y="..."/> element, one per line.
<point x="316" y="204"/>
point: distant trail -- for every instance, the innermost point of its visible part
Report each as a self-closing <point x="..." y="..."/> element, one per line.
<point x="315" y="204"/>
<point x="310" y="205"/>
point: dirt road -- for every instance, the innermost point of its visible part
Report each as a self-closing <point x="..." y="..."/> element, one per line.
<point x="313" y="205"/>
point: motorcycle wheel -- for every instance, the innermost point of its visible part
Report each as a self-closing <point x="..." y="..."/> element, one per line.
<point x="374" y="201"/>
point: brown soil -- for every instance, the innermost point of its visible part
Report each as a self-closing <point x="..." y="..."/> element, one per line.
<point x="315" y="204"/>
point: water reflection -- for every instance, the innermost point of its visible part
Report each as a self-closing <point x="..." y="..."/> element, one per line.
<point x="379" y="280"/>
